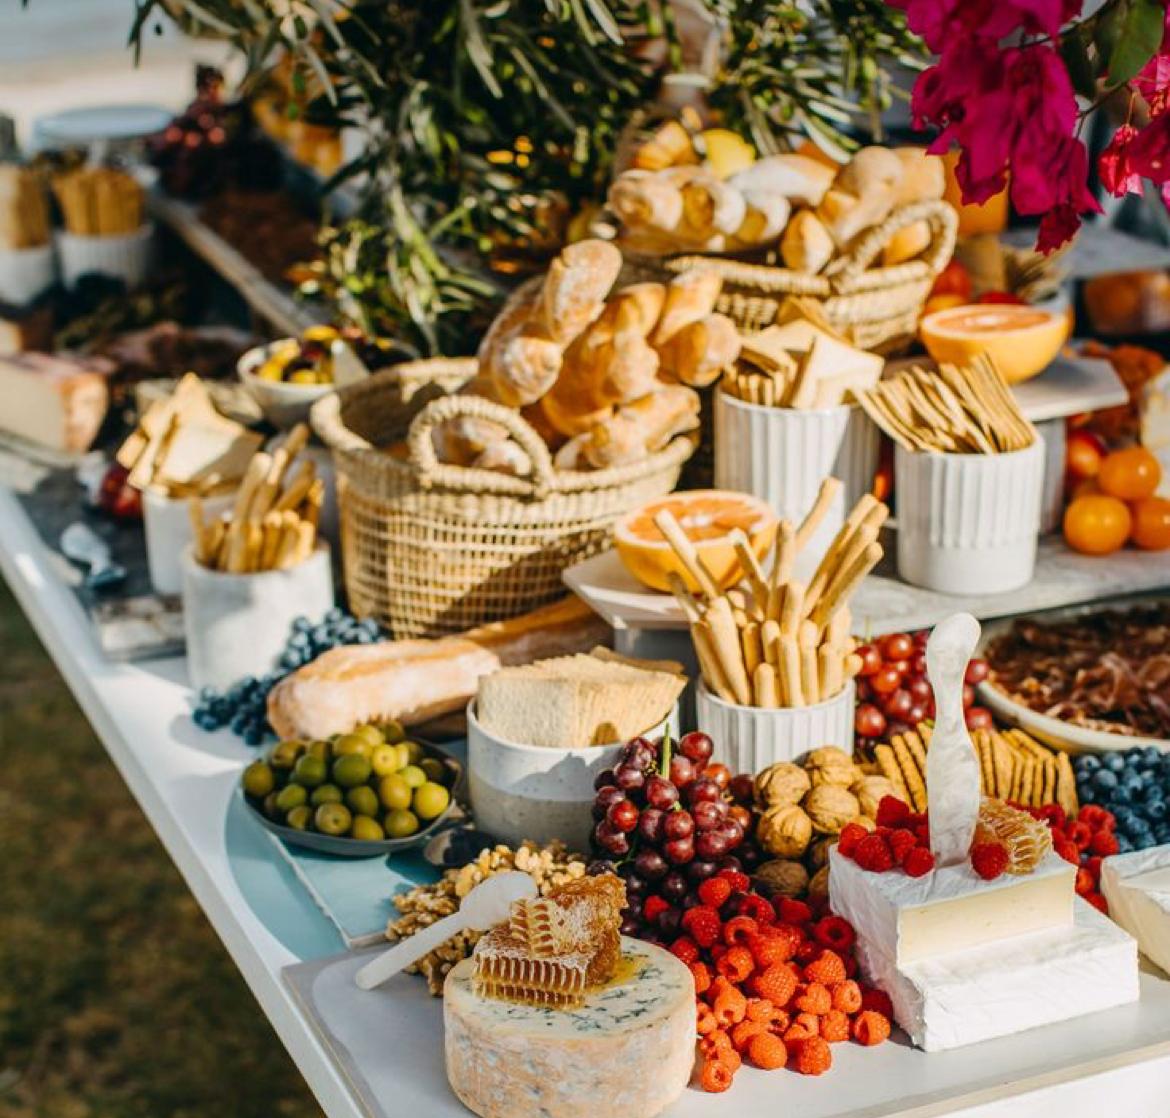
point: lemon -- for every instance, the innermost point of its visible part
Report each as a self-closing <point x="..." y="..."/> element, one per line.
<point x="727" y="153"/>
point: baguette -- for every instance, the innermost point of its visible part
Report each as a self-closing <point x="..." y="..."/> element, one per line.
<point x="412" y="681"/>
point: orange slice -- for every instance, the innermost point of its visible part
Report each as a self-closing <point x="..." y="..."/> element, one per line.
<point x="1021" y="340"/>
<point x="708" y="517"/>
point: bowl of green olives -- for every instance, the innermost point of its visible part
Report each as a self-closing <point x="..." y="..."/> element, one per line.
<point x="370" y="792"/>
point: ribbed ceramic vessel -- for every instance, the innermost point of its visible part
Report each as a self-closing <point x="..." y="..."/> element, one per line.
<point x="1052" y="497"/>
<point x="167" y="523"/>
<point x="968" y="523"/>
<point x="782" y="455"/>
<point x="536" y="792"/>
<point x="748" y="739"/>
<point x="124" y="256"/>
<point x="25" y="273"/>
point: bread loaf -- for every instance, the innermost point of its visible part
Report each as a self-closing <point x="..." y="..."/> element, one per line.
<point x="645" y="425"/>
<point x="642" y="200"/>
<point x="575" y="286"/>
<point x="671" y="144"/>
<point x="863" y="194"/>
<point x="907" y="243"/>
<point x="710" y="207"/>
<point x="924" y="177"/>
<point x="689" y="297"/>
<point x="795" y="177"/>
<point x="806" y="245"/>
<point x="414" y="680"/>
<point x="460" y="441"/>
<point x="766" y="217"/>
<point x="700" y="351"/>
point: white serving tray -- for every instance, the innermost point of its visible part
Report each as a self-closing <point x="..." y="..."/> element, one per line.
<point x="389" y="1045"/>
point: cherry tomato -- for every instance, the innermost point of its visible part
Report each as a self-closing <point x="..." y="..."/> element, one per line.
<point x="977" y="671"/>
<point x="916" y="715"/>
<point x="898" y="646"/>
<point x="920" y="689"/>
<point x="954" y="279"/>
<point x="968" y="695"/>
<point x="1083" y="453"/>
<point x="979" y="718"/>
<point x="898" y="704"/>
<point x="1151" y="524"/>
<point x="1001" y="297"/>
<point x="868" y="721"/>
<point x="886" y="680"/>
<point x="721" y="774"/>
<point x="1130" y="474"/>
<point x="871" y="660"/>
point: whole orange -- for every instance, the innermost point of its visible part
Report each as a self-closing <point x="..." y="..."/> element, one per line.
<point x="1151" y="523"/>
<point x="1130" y="474"/>
<point x="1096" y="525"/>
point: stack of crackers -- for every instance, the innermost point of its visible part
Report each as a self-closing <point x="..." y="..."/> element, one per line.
<point x="949" y="410"/>
<point x="777" y="642"/>
<point x="273" y="523"/>
<point x="1013" y="766"/>
<point x="801" y="362"/>
<point x="99" y="202"/>
<point x="183" y="446"/>
<point x="24" y="209"/>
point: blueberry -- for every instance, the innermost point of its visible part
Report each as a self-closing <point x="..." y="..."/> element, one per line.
<point x="1162" y="832"/>
<point x="1114" y="762"/>
<point x="371" y="626"/>
<point x="1124" y="846"/>
<point x="301" y="625"/>
<point x="334" y="614"/>
<point x="1105" y="780"/>
<point x="1152" y="755"/>
<point x="1087" y="763"/>
<point x="206" y="693"/>
<point x="299" y="640"/>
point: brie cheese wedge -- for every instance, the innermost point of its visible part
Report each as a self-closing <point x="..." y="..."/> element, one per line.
<point x="1137" y="887"/>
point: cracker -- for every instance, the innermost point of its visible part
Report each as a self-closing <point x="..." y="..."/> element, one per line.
<point x="918" y="750"/>
<point x="1066" y="784"/>
<point x="1027" y="780"/>
<point x="910" y="774"/>
<point x="888" y="764"/>
<point x="1002" y="754"/>
<point x="1048" y="791"/>
<point x="982" y="743"/>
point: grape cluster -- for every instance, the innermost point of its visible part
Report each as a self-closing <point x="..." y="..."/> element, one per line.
<point x="894" y="694"/>
<point x="665" y="821"/>
<point x="1134" y="785"/>
<point x="244" y="705"/>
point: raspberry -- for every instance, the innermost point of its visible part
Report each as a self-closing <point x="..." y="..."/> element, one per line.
<point x="1093" y="865"/>
<point x="716" y="1044"/>
<point x="737" y="930"/>
<point x="715" y="892"/>
<point x="1097" y="817"/>
<point x="827" y="969"/>
<point x="873" y="854"/>
<point x="814" y="998"/>
<point x="767" y="1051"/>
<point x="1053" y="815"/>
<point x="767" y="950"/>
<point x="919" y="862"/>
<point x="715" y="1076"/>
<point x="892" y="812"/>
<point x="989" y="859"/>
<point x="1085" y="883"/>
<point x="835" y="1026"/>
<point x="808" y="950"/>
<point x="791" y="911"/>
<point x="760" y="1009"/>
<point x="901" y="843"/>
<point x="736" y="965"/>
<point x="653" y="908"/>
<point x="835" y="932"/>
<point x="739" y="882"/>
<point x="1066" y="848"/>
<point x="851" y="835"/>
<point x="804" y="1026"/>
<point x="702" y="976"/>
<point x="705" y="1023"/>
<point x="703" y="923"/>
<point x="1080" y="833"/>
<point x="757" y="908"/>
<point x="1104" y="843"/>
<point x="813" y="1056"/>
<point x="685" y="948"/>
<point x="870" y="1028"/>
<point x="846" y="996"/>
<point x="877" y="1001"/>
<point x="742" y="1034"/>
<point x="730" y="1007"/>
<point x="1098" y="902"/>
<point x="777" y="983"/>
<point x="789" y="935"/>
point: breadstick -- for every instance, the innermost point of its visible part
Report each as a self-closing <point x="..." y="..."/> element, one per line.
<point x="782" y="566"/>
<point x="843" y="588"/>
<point x="753" y="654"/>
<point x="764" y="681"/>
<point x="709" y="663"/>
<point x="289" y="539"/>
<point x="751" y="568"/>
<point x="235" y="547"/>
<point x="253" y="478"/>
<point x="770" y="642"/>
<point x="272" y="532"/>
<point x="826" y="495"/>
<point x="831" y="666"/>
<point x="837" y="632"/>
<point x="790" y="681"/>
<point x="198" y="532"/>
<point x="253" y="545"/>
<point x="841" y="541"/>
<point x="793" y="609"/>
<point x="683" y="596"/>
<point x="298" y="488"/>
<point x="213" y="545"/>
<point x="726" y="643"/>
<point x="306" y="541"/>
<point x="809" y="680"/>
<point x="685" y="550"/>
<point x="314" y="502"/>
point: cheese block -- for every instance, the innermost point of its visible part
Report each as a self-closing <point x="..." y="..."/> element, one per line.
<point x="53" y="401"/>
<point x="908" y="919"/>
<point x="627" y="1051"/>
<point x="1006" y="987"/>
<point x="1137" y="887"/>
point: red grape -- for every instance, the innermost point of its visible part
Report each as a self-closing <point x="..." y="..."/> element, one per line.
<point x="640" y="753"/>
<point x="741" y="815"/>
<point x="669" y="920"/>
<point x="918" y="664"/>
<point x="979" y="718"/>
<point x="968" y="695"/>
<point x="660" y="793"/>
<point x="673" y="887"/>
<point x="721" y="774"/>
<point x="885" y="681"/>
<point x="682" y="770"/>
<point x="623" y="816"/>
<point x="696" y="747"/>
<point x="650" y="865"/>
<point x="977" y="671"/>
<point x="703" y="790"/>
<point x="711" y="844"/>
<point x="732" y="832"/>
<point x="631" y="927"/>
<point x="678" y="825"/>
<point x="871" y="660"/>
<point x="628" y="778"/>
<point x="679" y="851"/>
<point x="897" y="646"/>
<point x="898" y="704"/>
<point x="707" y="815"/>
<point x="742" y="788"/>
<point x="915" y="715"/>
<point x="730" y="862"/>
<point x="920" y="689"/>
<point x="650" y="825"/>
<point x="869" y="722"/>
<point x="605" y="799"/>
<point x="604" y="779"/>
<point x="612" y="840"/>
<point x="701" y="869"/>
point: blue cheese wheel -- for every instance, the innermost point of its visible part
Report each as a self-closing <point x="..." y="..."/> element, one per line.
<point x="627" y="1051"/>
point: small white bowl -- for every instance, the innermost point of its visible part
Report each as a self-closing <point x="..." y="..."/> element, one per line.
<point x="167" y="523"/>
<point x="284" y="405"/>
<point x="749" y="739"/>
<point x="533" y="792"/>
<point x="123" y="256"/>
<point x="25" y="273"/>
<point x="238" y="624"/>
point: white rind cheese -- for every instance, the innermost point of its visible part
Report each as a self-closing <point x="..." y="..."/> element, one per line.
<point x="53" y="401"/>
<point x="910" y="919"/>
<point x="627" y="1051"/>
<point x="1137" y="887"/>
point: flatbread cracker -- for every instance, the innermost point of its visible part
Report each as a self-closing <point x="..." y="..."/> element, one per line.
<point x="888" y="764"/>
<point x="910" y="774"/>
<point x="1066" y="784"/>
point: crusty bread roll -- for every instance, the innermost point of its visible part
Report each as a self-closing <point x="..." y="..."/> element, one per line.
<point x="414" y="680"/>
<point x="806" y="245"/>
<point x="571" y="456"/>
<point x="924" y="177"/>
<point x="863" y="194"/>
<point x="460" y="441"/>
<point x="710" y="207"/>
<point x="575" y="287"/>
<point x="631" y="368"/>
<point x="644" y="201"/>
<point x="700" y="351"/>
<point x="643" y="426"/>
<point x="871" y="168"/>
<point x="766" y="217"/>
<point x="907" y="243"/>
<point x="504" y="457"/>
<point x="689" y="297"/>
<point x="670" y="144"/>
<point x="795" y="177"/>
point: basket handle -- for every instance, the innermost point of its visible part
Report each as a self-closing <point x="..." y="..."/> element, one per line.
<point x="433" y="472"/>
<point x="939" y="215"/>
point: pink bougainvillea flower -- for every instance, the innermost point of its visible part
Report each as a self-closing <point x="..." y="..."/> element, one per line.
<point x="1153" y="82"/>
<point x="1056" y="227"/>
<point x="1148" y="152"/>
<point x="941" y="22"/>
<point x="1115" y="164"/>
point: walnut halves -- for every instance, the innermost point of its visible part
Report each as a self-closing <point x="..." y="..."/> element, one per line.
<point x="784" y="831"/>
<point x="781" y="783"/>
<point x="830" y="807"/>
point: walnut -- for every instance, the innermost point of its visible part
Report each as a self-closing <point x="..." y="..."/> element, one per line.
<point x="830" y="765"/>
<point x="781" y="783"/>
<point x="784" y="831"/>
<point x="819" y="885"/>
<point x="869" y="791"/>
<point x="830" y="807"/>
<point x="781" y="877"/>
<point x="818" y="851"/>
<point x="864" y="822"/>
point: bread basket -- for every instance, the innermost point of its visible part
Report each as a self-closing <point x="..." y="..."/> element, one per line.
<point x="430" y="548"/>
<point x="876" y="307"/>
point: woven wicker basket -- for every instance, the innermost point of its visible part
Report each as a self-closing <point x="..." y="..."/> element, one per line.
<point x="878" y="307"/>
<point x="431" y="548"/>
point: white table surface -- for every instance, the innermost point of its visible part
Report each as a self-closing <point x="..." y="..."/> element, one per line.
<point x="183" y="780"/>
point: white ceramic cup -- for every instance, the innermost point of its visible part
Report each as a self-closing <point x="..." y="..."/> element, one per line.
<point x="238" y="624"/>
<point x="1052" y="431"/>
<point x="749" y="739"/>
<point x="968" y="523"/>
<point x="284" y="405"/>
<point x="25" y="273"/>
<point x="533" y="792"/>
<point x="167" y="522"/>
<point x="782" y="455"/>
<point x="124" y="256"/>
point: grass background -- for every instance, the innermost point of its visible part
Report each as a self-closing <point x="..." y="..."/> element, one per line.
<point x="116" y="998"/>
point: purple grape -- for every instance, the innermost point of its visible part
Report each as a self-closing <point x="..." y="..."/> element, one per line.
<point x="604" y="779"/>
<point x="629" y="778"/>
<point x="650" y="865"/>
<point x="639" y="753"/>
<point x="742" y="788"/>
<point x="701" y="869"/>
<point x="660" y="793"/>
<point x="605" y="799"/>
<point x="611" y="840"/>
<point x="650" y="825"/>
<point x="706" y="815"/>
<point x="633" y="909"/>
<point x="679" y="851"/>
<point x="678" y="825"/>
<point x="682" y="771"/>
<point x="598" y="867"/>
<point x="703" y="790"/>
<point x="732" y="832"/>
<point x="668" y="922"/>
<point x="710" y="844"/>
<point x="631" y="928"/>
<point x="623" y="816"/>
<point x="696" y="747"/>
<point x="673" y="887"/>
<point x="730" y="862"/>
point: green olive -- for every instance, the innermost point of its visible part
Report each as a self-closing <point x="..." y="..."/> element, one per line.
<point x="366" y="829"/>
<point x="393" y="732"/>
<point x="284" y="754"/>
<point x="401" y="823"/>
<point x="371" y="733"/>
<point x="414" y="751"/>
<point x="326" y="794"/>
<point x="351" y="770"/>
<point x="349" y="744"/>
<point x="269" y="806"/>
<point x="310" y="771"/>
<point x="431" y="800"/>
<point x="414" y="776"/>
<point x="384" y="760"/>
<point x="363" y="800"/>
<point x="333" y="819"/>
<point x="394" y="792"/>
<point x="290" y="796"/>
<point x="434" y="769"/>
<point x="320" y="749"/>
<point x="259" y="779"/>
<point x="299" y="818"/>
